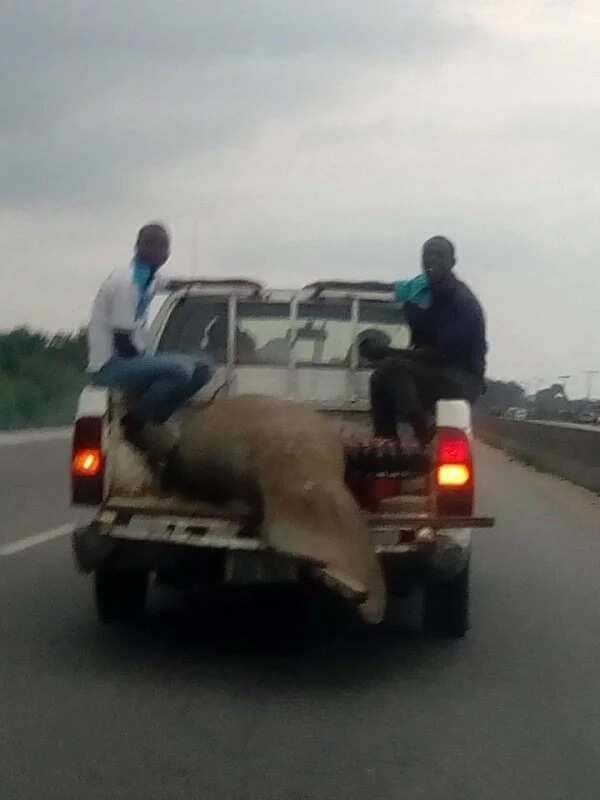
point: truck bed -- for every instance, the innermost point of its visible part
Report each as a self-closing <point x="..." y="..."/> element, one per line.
<point x="132" y="485"/>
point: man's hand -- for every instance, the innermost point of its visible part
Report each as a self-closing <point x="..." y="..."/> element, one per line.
<point x="372" y="350"/>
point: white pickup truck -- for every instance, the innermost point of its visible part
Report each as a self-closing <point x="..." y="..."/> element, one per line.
<point x="297" y="346"/>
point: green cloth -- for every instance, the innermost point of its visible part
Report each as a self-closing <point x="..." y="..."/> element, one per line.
<point x="416" y="290"/>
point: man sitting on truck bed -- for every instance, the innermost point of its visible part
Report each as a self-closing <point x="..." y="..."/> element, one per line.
<point x="116" y="340"/>
<point x="447" y="358"/>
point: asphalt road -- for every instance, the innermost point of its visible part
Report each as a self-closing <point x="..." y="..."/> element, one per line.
<point x="198" y="703"/>
<point x="571" y="425"/>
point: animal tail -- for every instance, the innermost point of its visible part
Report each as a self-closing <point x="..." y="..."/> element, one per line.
<point x="322" y="523"/>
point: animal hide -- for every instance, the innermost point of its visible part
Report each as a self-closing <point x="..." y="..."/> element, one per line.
<point x="287" y="462"/>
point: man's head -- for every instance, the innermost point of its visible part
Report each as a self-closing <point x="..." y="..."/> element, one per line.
<point x="153" y="245"/>
<point x="438" y="259"/>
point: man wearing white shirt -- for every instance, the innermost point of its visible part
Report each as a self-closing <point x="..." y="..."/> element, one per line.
<point x="117" y="340"/>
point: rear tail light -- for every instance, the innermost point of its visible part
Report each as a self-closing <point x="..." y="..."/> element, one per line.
<point x="453" y="447"/>
<point x="87" y="462"/>
<point x="454" y="473"/>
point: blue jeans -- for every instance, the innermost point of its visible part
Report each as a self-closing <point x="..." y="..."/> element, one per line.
<point x="161" y="383"/>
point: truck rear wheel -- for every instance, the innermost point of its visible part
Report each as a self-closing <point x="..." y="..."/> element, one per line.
<point x="119" y="595"/>
<point x="446" y="606"/>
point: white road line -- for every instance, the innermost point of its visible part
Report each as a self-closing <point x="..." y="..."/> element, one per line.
<point x="12" y="438"/>
<point x="38" y="538"/>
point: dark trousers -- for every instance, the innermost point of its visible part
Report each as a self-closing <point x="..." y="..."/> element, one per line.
<point x="407" y="388"/>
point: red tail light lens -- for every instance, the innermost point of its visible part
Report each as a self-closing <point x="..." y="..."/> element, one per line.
<point x="87" y="462"/>
<point x="453" y="448"/>
<point x="454" y="473"/>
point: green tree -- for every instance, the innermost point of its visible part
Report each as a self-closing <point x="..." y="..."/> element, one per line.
<point x="40" y="377"/>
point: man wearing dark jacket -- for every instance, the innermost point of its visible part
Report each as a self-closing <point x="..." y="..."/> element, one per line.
<point x="447" y="357"/>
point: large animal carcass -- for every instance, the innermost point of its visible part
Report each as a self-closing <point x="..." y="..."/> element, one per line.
<point x="287" y="463"/>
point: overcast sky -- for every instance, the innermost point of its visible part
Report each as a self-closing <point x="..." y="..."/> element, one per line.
<point x="308" y="139"/>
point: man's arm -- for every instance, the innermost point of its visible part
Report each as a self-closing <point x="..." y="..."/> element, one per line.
<point x="122" y="318"/>
<point x="123" y="344"/>
<point x="469" y="326"/>
<point x="374" y="351"/>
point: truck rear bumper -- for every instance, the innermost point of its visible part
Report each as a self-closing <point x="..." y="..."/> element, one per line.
<point x="144" y="542"/>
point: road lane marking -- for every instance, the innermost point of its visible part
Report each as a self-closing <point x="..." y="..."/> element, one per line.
<point x="12" y="438"/>
<point x="38" y="538"/>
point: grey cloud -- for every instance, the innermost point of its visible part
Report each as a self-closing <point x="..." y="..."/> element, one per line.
<point x="93" y="92"/>
<point x="305" y="139"/>
<point x="205" y="31"/>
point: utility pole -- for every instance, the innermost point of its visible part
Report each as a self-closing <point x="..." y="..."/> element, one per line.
<point x="590" y="373"/>
<point x="194" y="248"/>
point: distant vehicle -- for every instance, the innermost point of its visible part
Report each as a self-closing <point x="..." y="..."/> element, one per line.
<point x="518" y="414"/>
<point x="587" y="418"/>
<point x="567" y="416"/>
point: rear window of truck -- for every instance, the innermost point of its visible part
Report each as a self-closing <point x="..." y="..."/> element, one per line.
<point x="266" y="336"/>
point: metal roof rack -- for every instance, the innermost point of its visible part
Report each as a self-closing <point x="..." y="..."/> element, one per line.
<point x="238" y="286"/>
<point x="323" y="289"/>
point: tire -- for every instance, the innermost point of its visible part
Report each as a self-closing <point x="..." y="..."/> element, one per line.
<point x="446" y="606"/>
<point x="120" y="595"/>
